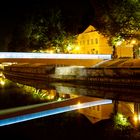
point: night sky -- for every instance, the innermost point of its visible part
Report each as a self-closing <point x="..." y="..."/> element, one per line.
<point x="75" y="13"/>
<point x="73" y="10"/>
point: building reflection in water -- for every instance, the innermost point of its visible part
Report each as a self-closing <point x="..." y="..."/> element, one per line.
<point x="130" y="109"/>
<point x="97" y="113"/>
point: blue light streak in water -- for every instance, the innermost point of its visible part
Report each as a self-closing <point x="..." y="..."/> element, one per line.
<point x="45" y="113"/>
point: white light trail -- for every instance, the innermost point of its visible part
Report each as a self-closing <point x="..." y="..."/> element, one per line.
<point x="52" y="56"/>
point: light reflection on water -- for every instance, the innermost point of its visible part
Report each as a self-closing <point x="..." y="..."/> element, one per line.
<point x="20" y="92"/>
<point x="14" y="94"/>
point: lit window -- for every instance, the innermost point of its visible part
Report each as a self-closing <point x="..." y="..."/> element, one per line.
<point x="96" y="40"/>
<point x="87" y="42"/>
<point x="91" y="41"/>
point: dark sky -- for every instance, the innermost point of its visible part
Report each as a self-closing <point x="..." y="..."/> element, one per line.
<point x="76" y="13"/>
<point x="73" y="10"/>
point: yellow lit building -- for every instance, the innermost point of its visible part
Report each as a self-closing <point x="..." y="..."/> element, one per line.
<point x="91" y="42"/>
<point x="125" y="50"/>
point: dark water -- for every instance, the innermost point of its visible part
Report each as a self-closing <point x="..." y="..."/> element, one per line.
<point x="97" y="122"/>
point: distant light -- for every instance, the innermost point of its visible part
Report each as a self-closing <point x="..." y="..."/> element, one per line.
<point x="59" y="99"/>
<point x="135" y="118"/>
<point x="45" y="113"/>
<point x="2" y="82"/>
<point x="1" y="74"/>
<point x="7" y="63"/>
<point x="77" y="48"/>
<point x="50" y="51"/>
<point x="133" y="41"/>
<point x="79" y="104"/>
<point x="69" y="48"/>
<point x="119" y="43"/>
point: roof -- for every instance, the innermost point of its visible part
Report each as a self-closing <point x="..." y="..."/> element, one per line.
<point x="90" y="28"/>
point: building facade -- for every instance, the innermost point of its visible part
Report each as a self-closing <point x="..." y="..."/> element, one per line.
<point x="91" y="42"/>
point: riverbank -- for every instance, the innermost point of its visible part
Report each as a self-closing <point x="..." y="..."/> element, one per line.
<point x="125" y="72"/>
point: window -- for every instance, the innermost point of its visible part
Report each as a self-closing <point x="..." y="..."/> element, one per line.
<point x="96" y="40"/>
<point x="92" y="51"/>
<point x="87" y="42"/>
<point x="96" y="52"/>
<point x="91" y="41"/>
<point x="83" y="42"/>
<point x="98" y="108"/>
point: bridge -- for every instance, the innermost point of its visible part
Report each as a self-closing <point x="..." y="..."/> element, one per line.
<point x="56" y="59"/>
<point x="15" y="115"/>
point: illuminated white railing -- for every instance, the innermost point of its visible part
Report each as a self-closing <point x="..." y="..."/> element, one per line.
<point x="53" y="56"/>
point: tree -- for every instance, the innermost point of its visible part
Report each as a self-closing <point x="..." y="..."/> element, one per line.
<point x="20" y="36"/>
<point x="117" y="18"/>
<point x="41" y="31"/>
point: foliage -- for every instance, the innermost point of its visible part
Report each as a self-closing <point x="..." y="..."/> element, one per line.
<point x="43" y="30"/>
<point x="121" y="122"/>
<point x="19" y="40"/>
<point x="117" y="17"/>
<point x="116" y="40"/>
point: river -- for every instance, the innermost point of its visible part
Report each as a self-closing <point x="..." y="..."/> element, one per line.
<point x="17" y="92"/>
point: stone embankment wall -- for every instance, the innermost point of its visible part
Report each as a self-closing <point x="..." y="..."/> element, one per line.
<point x="124" y="71"/>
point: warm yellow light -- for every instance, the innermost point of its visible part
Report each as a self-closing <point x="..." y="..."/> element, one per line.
<point x="79" y="104"/>
<point x="135" y="118"/>
<point x="1" y="66"/>
<point x="69" y="48"/>
<point x="59" y="99"/>
<point x="133" y="41"/>
<point x="49" y="51"/>
<point x="1" y="74"/>
<point x="51" y="95"/>
<point x="2" y="82"/>
<point x="77" y="48"/>
<point x="119" y="43"/>
<point x="48" y="97"/>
